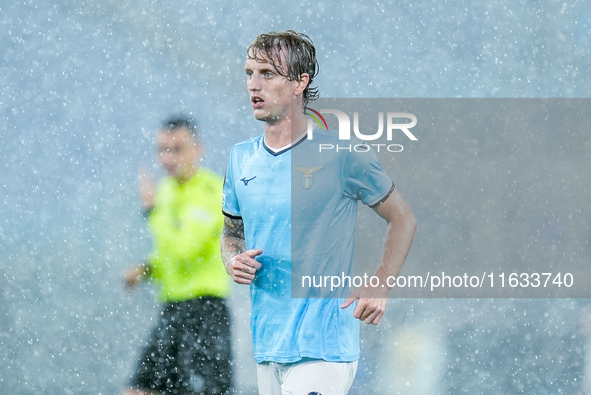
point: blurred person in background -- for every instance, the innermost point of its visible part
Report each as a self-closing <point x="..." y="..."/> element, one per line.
<point x="189" y="350"/>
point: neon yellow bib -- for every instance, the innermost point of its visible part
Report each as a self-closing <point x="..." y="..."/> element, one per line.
<point x="186" y="225"/>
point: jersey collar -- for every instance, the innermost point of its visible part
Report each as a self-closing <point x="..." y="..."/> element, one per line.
<point x="273" y="152"/>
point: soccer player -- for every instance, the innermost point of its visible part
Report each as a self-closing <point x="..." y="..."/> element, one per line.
<point x="302" y="345"/>
<point x="189" y="351"/>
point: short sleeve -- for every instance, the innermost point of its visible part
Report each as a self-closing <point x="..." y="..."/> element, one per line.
<point x="230" y="205"/>
<point x="365" y="179"/>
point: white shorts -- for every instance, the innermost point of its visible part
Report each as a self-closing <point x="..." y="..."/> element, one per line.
<point x="311" y="376"/>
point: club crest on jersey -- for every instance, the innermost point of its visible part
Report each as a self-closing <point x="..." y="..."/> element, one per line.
<point x="308" y="175"/>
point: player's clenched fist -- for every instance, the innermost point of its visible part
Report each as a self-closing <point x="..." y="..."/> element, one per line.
<point x="243" y="267"/>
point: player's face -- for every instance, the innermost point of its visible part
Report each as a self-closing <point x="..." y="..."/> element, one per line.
<point x="270" y="92"/>
<point x="177" y="152"/>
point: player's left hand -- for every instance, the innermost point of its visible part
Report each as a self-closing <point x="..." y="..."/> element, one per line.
<point x="371" y="306"/>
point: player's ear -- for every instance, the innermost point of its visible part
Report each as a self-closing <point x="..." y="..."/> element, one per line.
<point x="303" y="82"/>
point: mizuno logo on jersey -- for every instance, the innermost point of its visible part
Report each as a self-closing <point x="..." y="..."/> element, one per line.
<point x="245" y="181"/>
<point x="308" y="175"/>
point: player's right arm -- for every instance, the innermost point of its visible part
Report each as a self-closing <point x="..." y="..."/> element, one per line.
<point x="146" y="188"/>
<point x="239" y="262"/>
<point x="136" y="274"/>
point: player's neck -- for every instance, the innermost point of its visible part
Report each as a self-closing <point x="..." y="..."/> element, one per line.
<point x="186" y="175"/>
<point x="288" y="130"/>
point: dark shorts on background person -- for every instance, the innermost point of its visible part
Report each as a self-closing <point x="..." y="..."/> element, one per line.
<point x="189" y="351"/>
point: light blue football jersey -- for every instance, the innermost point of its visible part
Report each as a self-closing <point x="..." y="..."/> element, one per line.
<point x="299" y="206"/>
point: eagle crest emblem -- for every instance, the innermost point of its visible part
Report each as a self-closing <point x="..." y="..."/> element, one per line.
<point x="308" y="175"/>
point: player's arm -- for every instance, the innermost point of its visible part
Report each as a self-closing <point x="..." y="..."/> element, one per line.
<point x="146" y="189"/>
<point x="136" y="274"/>
<point x="240" y="264"/>
<point x="402" y="226"/>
